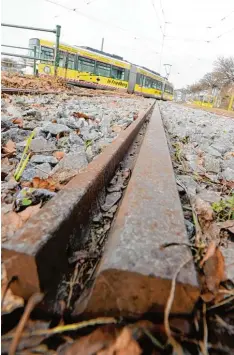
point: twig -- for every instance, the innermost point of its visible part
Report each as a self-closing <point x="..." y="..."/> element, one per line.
<point x="33" y="301"/>
<point x="224" y="324"/>
<point x="72" y="282"/>
<point x="65" y="328"/>
<point x="227" y="300"/>
<point x="203" y="345"/>
<point x="152" y="338"/>
<point x="166" y="245"/>
<point x="177" y="347"/>
<point x="4" y="290"/>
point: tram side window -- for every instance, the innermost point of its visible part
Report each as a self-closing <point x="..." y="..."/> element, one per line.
<point x="103" y="69"/>
<point x="159" y="84"/>
<point x="168" y="89"/>
<point x="117" y="73"/>
<point x="126" y="74"/>
<point x="62" y="59"/>
<point x="139" y="79"/>
<point x="148" y="82"/>
<point x="71" y="61"/>
<point x="156" y="84"/>
<point x="47" y="53"/>
<point x="86" y="65"/>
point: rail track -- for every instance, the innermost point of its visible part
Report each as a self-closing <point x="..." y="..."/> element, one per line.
<point x="109" y="224"/>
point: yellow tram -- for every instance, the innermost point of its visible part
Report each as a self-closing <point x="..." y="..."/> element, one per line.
<point x="89" y="67"/>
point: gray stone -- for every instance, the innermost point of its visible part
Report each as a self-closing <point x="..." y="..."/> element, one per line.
<point x="40" y="144"/>
<point x="31" y="125"/>
<point x="74" y="139"/>
<point x="13" y="111"/>
<point x="214" y="152"/>
<point x="212" y="164"/>
<point x="72" y="161"/>
<point x="89" y="134"/>
<point x="15" y="134"/>
<point x="193" y="163"/>
<point x="221" y="146"/>
<point x="39" y="159"/>
<point x="228" y="174"/>
<point x="6" y="123"/>
<point x="228" y="163"/>
<point x="209" y="196"/>
<point x="36" y="114"/>
<point x="189" y="183"/>
<point x="69" y="122"/>
<point x="56" y="128"/>
<point x="111" y="200"/>
<point x="190" y="228"/>
<point x="42" y="172"/>
<point x="92" y="151"/>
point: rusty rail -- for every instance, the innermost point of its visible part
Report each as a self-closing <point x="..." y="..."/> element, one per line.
<point x="149" y="215"/>
<point x="37" y="253"/>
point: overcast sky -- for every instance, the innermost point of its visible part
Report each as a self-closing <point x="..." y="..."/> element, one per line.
<point x="131" y="28"/>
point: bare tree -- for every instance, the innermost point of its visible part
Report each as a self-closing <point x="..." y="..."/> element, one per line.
<point x="211" y="80"/>
<point x="225" y="68"/>
<point x="196" y="87"/>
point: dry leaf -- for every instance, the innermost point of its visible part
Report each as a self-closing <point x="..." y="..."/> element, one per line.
<point x="48" y="184"/>
<point x="9" y="148"/>
<point x="214" y="270"/>
<point x="210" y="252"/>
<point x="18" y="121"/>
<point x="81" y="115"/>
<point x="203" y="209"/>
<point x="59" y="155"/>
<point x="92" y="343"/>
<point x="124" y="345"/>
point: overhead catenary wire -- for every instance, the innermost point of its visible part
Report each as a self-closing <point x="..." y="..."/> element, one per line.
<point x="78" y="12"/>
<point x="152" y="2"/>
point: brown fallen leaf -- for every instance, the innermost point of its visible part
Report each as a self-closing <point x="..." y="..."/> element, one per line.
<point x="92" y="343"/>
<point x="210" y="252"/>
<point x="203" y="209"/>
<point x="214" y="271"/>
<point x="81" y="115"/>
<point x="123" y="345"/>
<point x="48" y="184"/>
<point x="18" y="121"/>
<point x="9" y="148"/>
<point x="59" y="155"/>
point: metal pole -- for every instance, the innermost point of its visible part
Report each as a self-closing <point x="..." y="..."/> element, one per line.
<point x="56" y="57"/>
<point x="34" y="61"/>
<point x="25" y="56"/>
<point x="5" y="45"/>
<point x="102" y="44"/>
<point x="29" y="28"/>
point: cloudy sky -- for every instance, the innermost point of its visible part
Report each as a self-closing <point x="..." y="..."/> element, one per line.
<point x="196" y="31"/>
